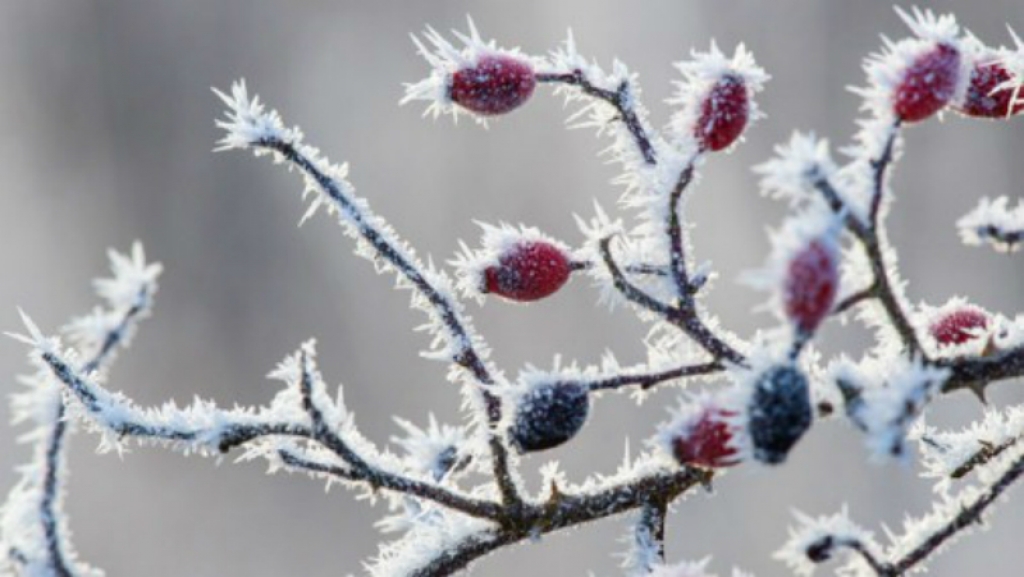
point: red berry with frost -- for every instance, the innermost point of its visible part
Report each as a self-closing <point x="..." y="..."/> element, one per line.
<point x="724" y="113"/>
<point x="528" y="271"/>
<point x="495" y="85"/>
<point x="959" y="326"/>
<point x="982" y="99"/>
<point x="705" y="440"/>
<point x="812" y="280"/>
<point x="928" y="83"/>
<point x="548" y="415"/>
<point x="779" y="413"/>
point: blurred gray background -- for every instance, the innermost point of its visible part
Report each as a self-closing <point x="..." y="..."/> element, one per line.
<point x="108" y="127"/>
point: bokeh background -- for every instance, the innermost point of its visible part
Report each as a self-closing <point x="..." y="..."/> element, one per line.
<point x="107" y="133"/>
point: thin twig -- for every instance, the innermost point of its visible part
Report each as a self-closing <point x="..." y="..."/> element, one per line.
<point x="677" y="250"/>
<point x="466" y="354"/>
<point x="619" y="98"/>
<point x="969" y="515"/>
<point x="227" y="435"/>
<point x="648" y="380"/>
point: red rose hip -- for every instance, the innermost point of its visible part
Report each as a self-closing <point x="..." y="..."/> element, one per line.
<point x="959" y="326"/>
<point x="928" y="84"/>
<point x="496" y="85"/>
<point x="810" y="287"/>
<point x="724" y="113"/>
<point x="528" y="271"/>
<point x="705" y="440"/>
<point x="982" y="100"/>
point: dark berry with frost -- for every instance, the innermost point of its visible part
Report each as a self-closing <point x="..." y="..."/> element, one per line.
<point x="528" y="271"/>
<point x="779" y="413"/>
<point x="959" y="326"/>
<point x="928" y="83"/>
<point x="548" y="415"/>
<point x="706" y="440"/>
<point x="495" y="85"/>
<point x="982" y="100"/>
<point x="724" y="113"/>
<point x="812" y="280"/>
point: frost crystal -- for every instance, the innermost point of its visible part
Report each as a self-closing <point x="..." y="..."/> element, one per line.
<point x="993" y="222"/>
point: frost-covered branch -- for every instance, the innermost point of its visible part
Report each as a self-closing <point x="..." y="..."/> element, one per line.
<point x="621" y="98"/>
<point x="248" y="126"/>
<point x="993" y="222"/>
<point x="33" y="527"/>
<point x="207" y="430"/>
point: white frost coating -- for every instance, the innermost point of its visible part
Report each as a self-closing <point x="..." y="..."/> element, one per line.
<point x="949" y="505"/>
<point x="700" y="74"/>
<point x="435" y="450"/>
<point x="944" y="452"/>
<point x="444" y="60"/>
<point x="425" y="542"/>
<point x="246" y="119"/>
<point x="798" y="165"/>
<point x="815" y="532"/>
<point x="470" y="264"/>
<point x="886" y="396"/>
<point x="994" y="222"/>
<point x="24" y="545"/>
<point x="886" y="70"/>
<point x="639" y="177"/>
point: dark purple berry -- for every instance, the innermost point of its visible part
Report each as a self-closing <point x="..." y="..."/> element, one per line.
<point x="496" y="85"/>
<point x="779" y="413"/>
<point x="549" y="415"/>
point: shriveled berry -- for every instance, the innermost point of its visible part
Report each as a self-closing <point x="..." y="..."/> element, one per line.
<point x="528" y="271"/>
<point x="705" y="440"/>
<point x="779" y="413"/>
<point x="549" y="415"/>
<point x="724" y="113"/>
<point x="982" y="100"/>
<point x="496" y="85"/>
<point x="959" y="326"/>
<point x="810" y="286"/>
<point x="928" y="83"/>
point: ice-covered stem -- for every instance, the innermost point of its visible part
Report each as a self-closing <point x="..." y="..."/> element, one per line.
<point x="470" y="506"/>
<point x="646" y="380"/>
<point x="466" y="354"/>
<point x="677" y="248"/>
<point x="879" y="168"/>
<point x="823" y="549"/>
<point x="969" y="515"/>
<point x="650" y="529"/>
<point x="128" y="294"/>
<point x="566" y="510"/>
<point x="995" y="223"/>
<point x="621" y="99"/>
<point x="975" y="373"/>
<point x="868" y="236"/>
<point x="684" y="316"/>
<point x="230" y="429"/>
<point x="249" y="126"/>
